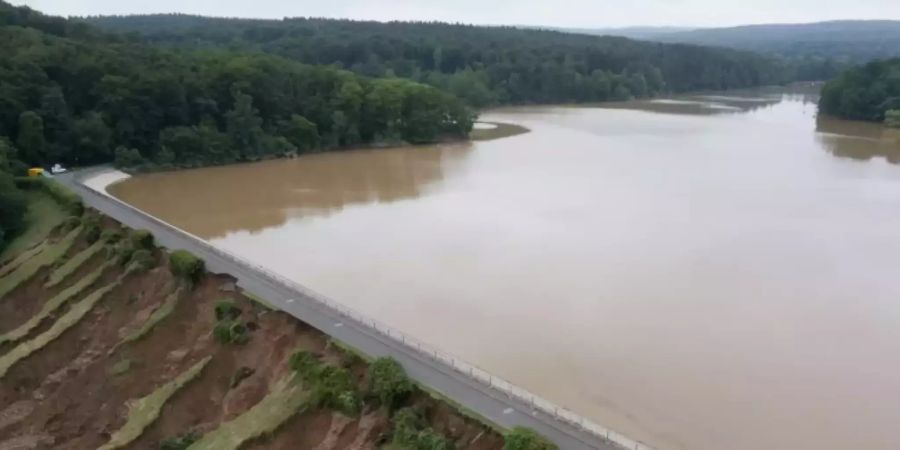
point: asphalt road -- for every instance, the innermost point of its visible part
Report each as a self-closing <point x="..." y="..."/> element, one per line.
<point x="434" y="373"/>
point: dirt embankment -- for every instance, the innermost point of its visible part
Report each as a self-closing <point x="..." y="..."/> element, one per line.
<point x="74" y="391"/>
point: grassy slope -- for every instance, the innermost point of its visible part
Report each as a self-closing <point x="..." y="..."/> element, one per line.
<point x="72" y="317"/>
<point x="53" y="304"/>
<point x="42" y="216"/>
<point x="31" y="267"/>
<point x="144" y="411"/>
<point x="22" y="257"/>
<point x="161" y="313"/>
<point x="73" y="264"/>
<point x="286" y="399"/>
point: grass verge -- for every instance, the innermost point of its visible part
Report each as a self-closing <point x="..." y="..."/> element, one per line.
<point x="24" y="256"/>
<point x="31" y="267"/>
<point x="351" y="351"/>
<point x="144" y="411"/>
<point x="53" y="304"/>
<point x="161" y="313"/>
<point x="41" y="217"/>
<point x="70" y="266"/>
<point x="69" y="319"/>
<point x="286" y="399"/>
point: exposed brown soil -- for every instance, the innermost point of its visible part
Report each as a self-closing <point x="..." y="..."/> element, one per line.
<point x="73" y="392"/>
<point x="23" y="302"/>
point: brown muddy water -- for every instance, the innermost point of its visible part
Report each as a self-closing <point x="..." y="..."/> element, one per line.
<point x="706" y="273"/>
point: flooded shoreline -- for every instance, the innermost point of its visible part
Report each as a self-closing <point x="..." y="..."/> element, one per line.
<point x="699" y="273"/>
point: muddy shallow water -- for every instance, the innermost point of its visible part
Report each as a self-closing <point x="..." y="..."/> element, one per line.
<point x="704" y="273"/>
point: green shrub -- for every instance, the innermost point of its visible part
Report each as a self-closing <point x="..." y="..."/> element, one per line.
<point x="407" y="423"/>
<point x="238" y="332"/>
<point x="521" y="438"/>
<point x="410" y="431"/>
<point x="227" y="310"/>
<point x="92" y="233"/>
<point x="222" y="332"/>
<point x="142" y="239"/>
<point x="71" y="223"/>
<point x="330" y="386"/>
<point x="230" y="332"/>
<point x="179" y="442"/>
<point x="389" y="383"/>
<point x="111" y="236"/>
<point x="142" y="260"/>
<point x="333" y="387"/>
<point x="185" y="265"/>
<point x="123" y="252"/>
<point x="304" y="363"/>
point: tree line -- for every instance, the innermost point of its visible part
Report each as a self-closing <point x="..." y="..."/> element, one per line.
<point x="72" y="94"/>
<point x="869" y="92"/>
<point x="12" y="200"/>
<point x="482" y="65"/>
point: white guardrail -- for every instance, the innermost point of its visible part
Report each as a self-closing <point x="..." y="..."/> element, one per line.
<point x="474" y="373"/>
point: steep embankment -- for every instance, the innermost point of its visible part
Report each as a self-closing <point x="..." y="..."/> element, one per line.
<point x="106" y="347"/>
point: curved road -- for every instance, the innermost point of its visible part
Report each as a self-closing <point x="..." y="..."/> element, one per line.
<point x="488" y="402"/>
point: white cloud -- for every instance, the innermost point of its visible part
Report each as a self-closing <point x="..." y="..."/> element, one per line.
<point x="574" y="13"/>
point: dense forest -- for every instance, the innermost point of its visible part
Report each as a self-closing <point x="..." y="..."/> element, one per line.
<point x="12" y="200"/>
<point x="482" y="65"/>
<point x="76" y="95"/>
<point x="867" y="92"/>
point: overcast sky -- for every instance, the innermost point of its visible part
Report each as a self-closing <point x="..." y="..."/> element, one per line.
<point x="563" y="13"/>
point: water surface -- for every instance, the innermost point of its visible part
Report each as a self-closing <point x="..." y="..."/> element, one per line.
<point x="711" y="272"/>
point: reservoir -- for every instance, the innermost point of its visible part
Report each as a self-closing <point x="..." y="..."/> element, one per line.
<point x="709" y="272"/>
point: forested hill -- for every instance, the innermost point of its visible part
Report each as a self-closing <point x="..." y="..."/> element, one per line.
<point x="483" y="65"/>
<point x="72" y="94"/>
<point x="853" y="41"/>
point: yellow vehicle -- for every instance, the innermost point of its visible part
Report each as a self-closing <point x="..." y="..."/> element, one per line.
<point x="35" y="172"/>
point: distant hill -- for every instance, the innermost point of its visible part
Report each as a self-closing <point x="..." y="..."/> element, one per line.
<point x="850" y="41"/>
<point x="643" y="33"/>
